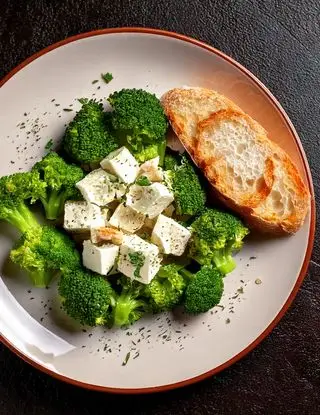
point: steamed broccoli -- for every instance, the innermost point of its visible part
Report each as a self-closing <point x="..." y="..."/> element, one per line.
<point x="204" y="289"/>
<point x="166" y="289"/>
<point x="42" y="252"/>
<point x="216" y="235"/>
<point x="16" y="190"/>
<point x="139" y="123"/>
<point x="171" y="161"/>
<point x="181" y="178"/>
<point x="130" y="304"/>
<point x="87" y="140"/>
<point x="86" y="297"/>
<point x="60" y="178"/>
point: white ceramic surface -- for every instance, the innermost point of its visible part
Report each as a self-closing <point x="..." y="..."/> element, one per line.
<point x="163" y="349"/>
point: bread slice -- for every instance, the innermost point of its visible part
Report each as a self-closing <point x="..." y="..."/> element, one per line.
<point x="248" y="172"/>
<point x="186" y="107"/>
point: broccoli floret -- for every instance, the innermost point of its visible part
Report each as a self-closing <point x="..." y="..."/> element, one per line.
<point x="204" y="289"/>
<point x="16" y="190"/>
<point x="130" y="304"/>
<point x="166" y="288"/>
<point x="43" y="252"/>
<point x="86" y="297"/>
<point x="171" y="162"/>
<point x="87" y="140"/>
<point x="182" y="179"/>
<point x="60" y="179"/>
<point x="216" y="235"/>
<point x="139" y="123"/>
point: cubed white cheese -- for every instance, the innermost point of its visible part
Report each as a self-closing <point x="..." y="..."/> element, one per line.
<point x="151" y="170"/>
<point x="126" y="218"/>
<point x="149" y="200"/>
<point x="81" y="216"/>
<point x="138" y="259"/>
<point x="170" y="236"/>
<point x="122" y="164"/>
<point x="100" y="259"/>
<point x="101" y="188"/>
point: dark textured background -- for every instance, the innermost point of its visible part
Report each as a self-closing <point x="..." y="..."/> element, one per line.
<point x="279" y="41"/>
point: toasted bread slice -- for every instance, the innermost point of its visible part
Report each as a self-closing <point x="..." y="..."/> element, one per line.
<point x="249" y="173"/>
<point x="186" y="107"/>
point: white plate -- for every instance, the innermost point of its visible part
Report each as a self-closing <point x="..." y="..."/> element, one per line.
<point x="166" y="351"/>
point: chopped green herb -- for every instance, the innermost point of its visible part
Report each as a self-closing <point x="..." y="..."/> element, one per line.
<point x="137" y="259"/>
<point x="126" y="359"/>
<point x="67" y="109"/>
<point x="258" y="281"/>
<point x="94" y="81"/>
<point x="240" y="290"/>
<point x="143" y="181"/>
<point x="49" y="145"/>
<point x="107" y="77"/>
<point x="228" y="321"/>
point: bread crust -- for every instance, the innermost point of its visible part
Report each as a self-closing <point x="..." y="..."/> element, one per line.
<point x="280" y="201"/>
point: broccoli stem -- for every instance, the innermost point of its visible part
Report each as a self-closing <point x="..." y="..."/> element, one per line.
<point x="162" y="150"/>
<point x="186" y="274"/>
<point x="40" y="279"/>
<point x="53" y="204"/>
<point x="22" y="218"/>
<point x="223" y="260"/>
<point x="124" y="307"/>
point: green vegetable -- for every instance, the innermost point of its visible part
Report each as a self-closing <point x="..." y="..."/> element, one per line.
<point x="130" y="304"/>
<point x="166" y="289"/>
<point x="87" y="140"/>
<point x="87" y="297"/>
<point x="171" y="162"/>
<point x="216" y="235"/>
<point x="143" y="181"/>
<point x="107" y="77"/>
<point x="137" y="259"/>
<point x="16" y="190"/>
<point x="139" y="123"/>
<point x="204" y="289"/>
<point x="43" y="252"/>
<point x="181" y="178"/>
<point x="60" y="179"/>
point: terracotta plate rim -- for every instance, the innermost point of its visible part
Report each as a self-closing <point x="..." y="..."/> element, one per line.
<point x="303" y="270"/>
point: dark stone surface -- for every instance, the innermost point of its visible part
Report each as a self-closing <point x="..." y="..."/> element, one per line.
<point x="279" y="42"/>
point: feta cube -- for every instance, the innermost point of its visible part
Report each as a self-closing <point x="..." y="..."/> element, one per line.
<point x="151" y="170"/>
<point x="126" y="218"/>
<point x="80" y="216"/>
<point x="100" y="259"/>
<point x="101" y="188"/>
<point x="149" y="200"/>
<point x="138" y="259"/>
<point x="170" y="236"/>
<point x="122" y="164"/>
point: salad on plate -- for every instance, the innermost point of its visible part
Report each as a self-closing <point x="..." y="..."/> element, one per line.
<point x="128" y="226"/>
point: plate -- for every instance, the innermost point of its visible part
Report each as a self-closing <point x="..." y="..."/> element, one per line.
<point x="170" y="350"/>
